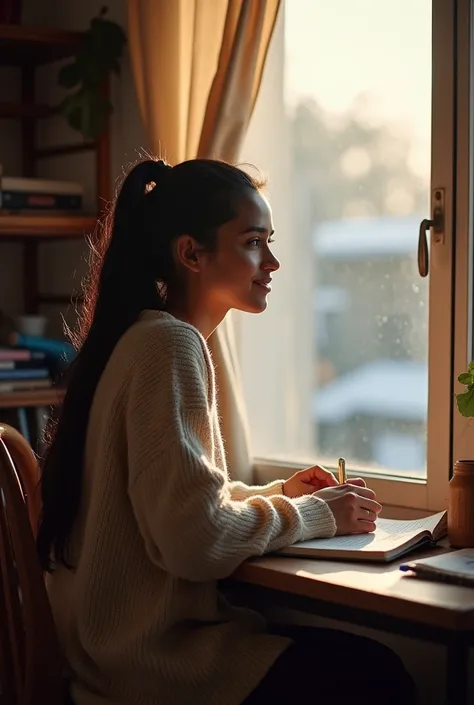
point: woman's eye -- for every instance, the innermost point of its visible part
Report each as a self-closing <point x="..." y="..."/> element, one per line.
<point x="257" y="241"/>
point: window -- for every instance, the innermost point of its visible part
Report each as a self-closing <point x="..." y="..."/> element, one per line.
<point x="354" y="355"/>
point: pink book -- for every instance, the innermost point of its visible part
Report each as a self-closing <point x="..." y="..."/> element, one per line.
<point x="14" y="354"/>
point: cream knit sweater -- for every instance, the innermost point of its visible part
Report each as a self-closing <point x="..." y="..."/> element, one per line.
<point x="140" y="617"/>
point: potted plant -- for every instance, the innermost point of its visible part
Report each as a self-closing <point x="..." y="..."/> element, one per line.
<point x="86" y="108"/>
<point x="465" y="400"/>
<point x="461" y="485"/>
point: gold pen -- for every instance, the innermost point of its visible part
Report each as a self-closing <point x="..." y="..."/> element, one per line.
<point x="341" y="465"/>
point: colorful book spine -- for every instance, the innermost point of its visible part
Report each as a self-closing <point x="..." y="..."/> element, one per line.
<point x="24" y="201"/>
<point x="20" y="354"/>
<point x="28" y="373"/>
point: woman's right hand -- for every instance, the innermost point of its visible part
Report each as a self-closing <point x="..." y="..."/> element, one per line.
<point x="353" y="506"/>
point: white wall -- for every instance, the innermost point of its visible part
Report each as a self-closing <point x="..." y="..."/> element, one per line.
<point x="276" y="365"/>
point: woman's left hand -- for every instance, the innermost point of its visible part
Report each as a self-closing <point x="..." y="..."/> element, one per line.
<point x="308" y="481"/>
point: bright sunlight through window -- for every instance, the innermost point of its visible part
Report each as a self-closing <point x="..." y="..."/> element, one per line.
<point x="337" y="365"/>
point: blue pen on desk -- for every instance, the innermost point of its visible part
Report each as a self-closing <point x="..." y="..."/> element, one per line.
<point x="426" y="572"/>
<point x="405" y="567"/>
<point x="418" y="569"/>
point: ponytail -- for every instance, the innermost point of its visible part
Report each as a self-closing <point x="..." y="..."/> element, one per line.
<point x="117" y="294"/>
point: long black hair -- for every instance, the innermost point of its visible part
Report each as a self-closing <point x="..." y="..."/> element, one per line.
<point x="131" y="266"/>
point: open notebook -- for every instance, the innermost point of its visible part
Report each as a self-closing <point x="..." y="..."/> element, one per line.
<point x="391" y="539"/>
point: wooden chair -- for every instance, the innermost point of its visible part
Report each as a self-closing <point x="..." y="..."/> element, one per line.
<point x="27" y="469"/>
<point x="30" y="660"/>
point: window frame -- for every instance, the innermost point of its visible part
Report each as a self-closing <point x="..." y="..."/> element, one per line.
<point x="450" y="285"/>
<point x="463" y="436"/>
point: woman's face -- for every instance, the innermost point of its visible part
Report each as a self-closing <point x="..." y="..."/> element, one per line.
<point x="238" y="273"/>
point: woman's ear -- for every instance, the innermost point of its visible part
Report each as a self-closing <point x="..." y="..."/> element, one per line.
<point x="187" y="252"/>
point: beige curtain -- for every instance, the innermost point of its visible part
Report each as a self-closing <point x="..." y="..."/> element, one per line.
<point x="197" y="66"/>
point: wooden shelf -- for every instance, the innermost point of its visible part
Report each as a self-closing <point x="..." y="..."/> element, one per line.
<point x="32" y="397"/>
<point x="25" y="111"/>
<point x="48" y="226"/>
<point x="21" y="45"/>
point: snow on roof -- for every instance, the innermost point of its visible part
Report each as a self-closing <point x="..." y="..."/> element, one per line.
<point x="356" y="238"/>
<point x="396" y="389"/>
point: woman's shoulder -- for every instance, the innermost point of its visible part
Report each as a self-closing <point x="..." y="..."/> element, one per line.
<point x="159" y="338"/>
<point x="164" y="327"/>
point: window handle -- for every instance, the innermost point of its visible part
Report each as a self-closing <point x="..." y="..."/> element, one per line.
<point x="437" y="223"/>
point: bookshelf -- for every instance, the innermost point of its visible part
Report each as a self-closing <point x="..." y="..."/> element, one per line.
<point x="29" y="46"/>
<point x="34" y="397"/>
<point x="45" y="227"/>
<point x="26" y="48"/>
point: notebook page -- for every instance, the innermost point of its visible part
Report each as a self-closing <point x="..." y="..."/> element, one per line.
<point x="389" y="534"/>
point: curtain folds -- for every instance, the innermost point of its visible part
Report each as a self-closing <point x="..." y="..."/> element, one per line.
<point x="197" y="67"/>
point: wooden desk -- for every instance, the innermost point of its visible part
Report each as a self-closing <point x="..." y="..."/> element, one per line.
<point x="373" y="595"/>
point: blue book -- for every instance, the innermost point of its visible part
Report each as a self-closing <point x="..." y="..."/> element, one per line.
<point x="32" y="373"/>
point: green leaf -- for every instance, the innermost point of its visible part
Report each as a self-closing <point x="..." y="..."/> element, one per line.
<point x="108" y="35"/>
<point x="89" y="68"/>
<point x="465" y="378"/>
<point x="98" y="109"/>
<point x="471" y="367"/>
<point x="86" y="110"/>
<point x="465" y="402"/>
<point x="69" y="76"/>
<point x="73" y="107"/>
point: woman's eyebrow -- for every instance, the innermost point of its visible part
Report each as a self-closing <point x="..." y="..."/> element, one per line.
<point x="255" y="229"/>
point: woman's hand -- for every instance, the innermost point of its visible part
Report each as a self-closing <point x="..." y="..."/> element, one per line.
<point x="313" y="479"/>
<point x="353" y="506"/>
<point x="308" y="481"/>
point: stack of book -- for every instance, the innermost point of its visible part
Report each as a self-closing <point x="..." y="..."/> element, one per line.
<point x="21" y="195"/>
<point x="22" y="370"/>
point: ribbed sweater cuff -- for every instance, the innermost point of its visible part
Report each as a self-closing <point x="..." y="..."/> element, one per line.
<point x="272" y="488"/>
<point x="318" y="519"/>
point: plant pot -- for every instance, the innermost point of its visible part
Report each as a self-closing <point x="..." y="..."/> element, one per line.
<point x="461" y="505"/>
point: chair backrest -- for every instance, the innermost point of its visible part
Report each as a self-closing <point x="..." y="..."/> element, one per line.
<point x="30" y="659"/>
<point x="27" y="469"/>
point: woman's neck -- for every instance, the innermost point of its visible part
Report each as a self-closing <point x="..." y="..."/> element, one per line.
<point x="197" y="314"/>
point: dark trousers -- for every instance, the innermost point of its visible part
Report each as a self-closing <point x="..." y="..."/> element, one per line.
<point x="334" y="667"/>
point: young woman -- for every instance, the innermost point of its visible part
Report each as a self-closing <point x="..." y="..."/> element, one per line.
<point x="140" y="519"/>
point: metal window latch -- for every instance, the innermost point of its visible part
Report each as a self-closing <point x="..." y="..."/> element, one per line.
<point x="437" y="225"/>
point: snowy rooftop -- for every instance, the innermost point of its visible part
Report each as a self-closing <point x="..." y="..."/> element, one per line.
<point x="355" y="238"/>
<point x="388" y="388"/>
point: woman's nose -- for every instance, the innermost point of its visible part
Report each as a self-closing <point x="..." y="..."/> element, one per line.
<point x="271" y="263"/>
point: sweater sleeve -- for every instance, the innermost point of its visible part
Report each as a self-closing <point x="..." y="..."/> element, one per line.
<point x="192" y="527"/>
<point x="240" y="491"/>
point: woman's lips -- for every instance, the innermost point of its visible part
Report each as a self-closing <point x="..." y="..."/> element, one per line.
<point x="264" y="283"/>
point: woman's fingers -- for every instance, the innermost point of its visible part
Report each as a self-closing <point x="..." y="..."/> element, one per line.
<point x="367" y="513"/>
<point x="365" y="492"/>
<point x="364" y="527"/>
<point x="355" y="508"/>
<point x="371" y="506"/>
<point x="318" y="475"/>
<point x="358" y="481"/>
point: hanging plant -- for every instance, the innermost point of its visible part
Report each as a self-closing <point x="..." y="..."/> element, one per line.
<point x="85" y="108"/>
